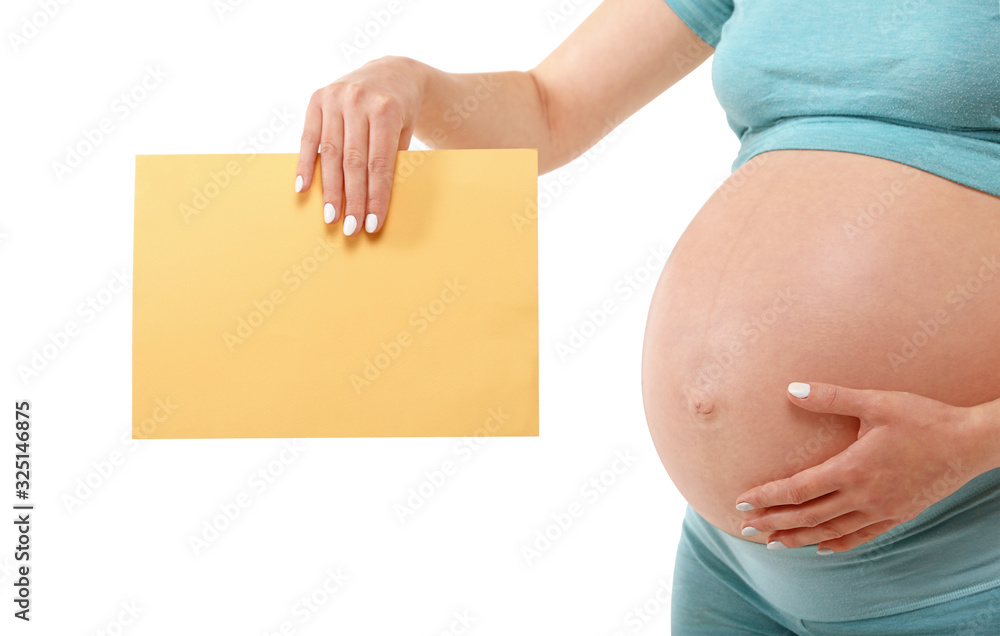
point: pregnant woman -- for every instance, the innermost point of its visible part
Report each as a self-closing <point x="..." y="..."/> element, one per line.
<point x="821" y="367"/>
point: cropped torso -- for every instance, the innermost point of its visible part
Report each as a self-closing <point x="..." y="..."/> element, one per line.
<point x="857" y="242"/>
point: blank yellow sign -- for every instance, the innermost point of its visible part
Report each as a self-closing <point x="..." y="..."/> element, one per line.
<point x="254" y="318"/>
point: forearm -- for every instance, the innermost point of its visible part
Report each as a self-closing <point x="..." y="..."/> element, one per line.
<point x="987" y="423"/>
<point x="624" y="54"/>
<point x="482" y="110"/>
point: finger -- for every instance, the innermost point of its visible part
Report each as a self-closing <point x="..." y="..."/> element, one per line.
<point x="332" y="164"/>
<point x="355" y="170"/>
<point x="826" y="532"/>
<point x="310" y="142"/>
<point x="808" y="515"/>
<point x="799" y="488"/>
<point x="856" y="538"/>
<point x="830" y="398"/>
<point x="386" y="126"/>
<point x="404" y="137"/>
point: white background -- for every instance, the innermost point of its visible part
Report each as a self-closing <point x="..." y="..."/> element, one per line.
<point x="128" y="541"/>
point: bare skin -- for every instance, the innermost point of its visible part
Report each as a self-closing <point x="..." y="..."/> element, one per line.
<point x="590" y="83"/>
<point x="769" y="273"/>
<point x="772" y="272"/>
<point x="911" y="452"/>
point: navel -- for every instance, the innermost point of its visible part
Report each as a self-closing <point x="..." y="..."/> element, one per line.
<point x="700" y="402"/>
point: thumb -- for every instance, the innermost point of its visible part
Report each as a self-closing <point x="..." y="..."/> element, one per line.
<point x="829" y="398"/>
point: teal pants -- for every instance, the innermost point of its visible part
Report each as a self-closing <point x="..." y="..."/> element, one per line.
<point x="725" y="585"/>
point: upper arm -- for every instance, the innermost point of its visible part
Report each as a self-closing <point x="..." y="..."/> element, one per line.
<point x="619" y="59"/>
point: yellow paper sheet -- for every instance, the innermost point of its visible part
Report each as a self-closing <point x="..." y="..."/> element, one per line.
<point x="254" y="318"/>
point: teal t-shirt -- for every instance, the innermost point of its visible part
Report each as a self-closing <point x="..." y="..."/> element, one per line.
<point x="913" y="81"/>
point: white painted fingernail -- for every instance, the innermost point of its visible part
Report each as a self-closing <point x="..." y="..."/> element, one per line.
<point x="799" y="389"/>
<point x="350" y="224"/>
<point x="824" y="551"/>
<point x="371" y="222"/>
<point x="749" y="531"/>
<point x="776" y="545"/>
<point x="744" y="506"/>
<point x="328" y="213"/>
<point x="298" y="183"/>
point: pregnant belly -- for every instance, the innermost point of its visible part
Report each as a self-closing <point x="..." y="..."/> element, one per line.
<point x="814" y="266"/>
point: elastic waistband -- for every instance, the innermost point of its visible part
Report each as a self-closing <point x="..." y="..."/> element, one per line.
<point x="948" y="551"/>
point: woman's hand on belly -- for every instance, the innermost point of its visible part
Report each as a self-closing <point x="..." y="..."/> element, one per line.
<point x="911" y="452"/>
